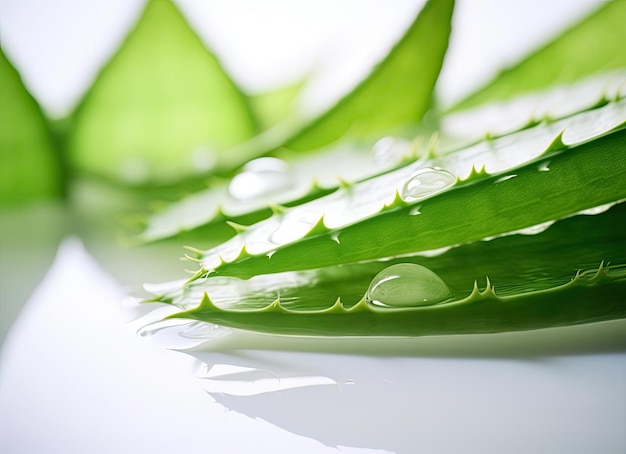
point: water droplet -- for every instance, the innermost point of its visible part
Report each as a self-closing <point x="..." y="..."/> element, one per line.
<point x="261" y="178"/>
<point x="415" y="210"/>
<point x="390" y="150"/>
<point x="507" y="177"/>
<point x="426" y="182"/>
<point x="407" y="285"/>
<point x="543" y="167"/>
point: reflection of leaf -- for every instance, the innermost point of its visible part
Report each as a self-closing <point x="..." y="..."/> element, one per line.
<point x="161" y="109"/>
<point x="28" y="164"/>
<point x="594" y="45"/>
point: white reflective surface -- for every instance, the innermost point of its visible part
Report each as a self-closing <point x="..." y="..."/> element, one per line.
<point x="75" y="377"/>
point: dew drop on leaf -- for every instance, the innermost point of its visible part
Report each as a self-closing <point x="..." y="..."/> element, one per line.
<point x="261" y="178"/>
<point x="426" y="182"/>
<point x="407" y="285"/>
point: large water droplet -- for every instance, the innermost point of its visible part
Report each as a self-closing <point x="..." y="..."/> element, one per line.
<point x="407" y="285"/>
<point x="426" y="182"/>
<point x="261" y="178"/>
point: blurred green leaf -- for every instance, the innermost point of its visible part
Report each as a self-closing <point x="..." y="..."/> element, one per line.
<point x="397" y="93"/>
<point x="594" y="45"/>
<point x="29" y="169"/>
<point x="274" y="106"/>
<point x="162" y="109"/>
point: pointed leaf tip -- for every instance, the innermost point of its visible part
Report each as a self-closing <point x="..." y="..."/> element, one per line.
<point x="238" y="228"/>
<point x="557" y="144"/>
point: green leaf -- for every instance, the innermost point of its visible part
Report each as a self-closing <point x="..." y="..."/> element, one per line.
<point x="162" y="109"/>
<point x="535" y="260"/>
<point x="29" y="160"/>
<point x="594" y="45"/>
<point x="535" y="179"/>
<point x="592" y="296"/>
<point x="391" y="99"/>
<point x="307" y="176"/>
<point x="396" y="94"/>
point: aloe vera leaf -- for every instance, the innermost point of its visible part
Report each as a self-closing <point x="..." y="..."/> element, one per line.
<point x="533" y="260"/>
<point x="397" y="93"/>
<point x="392" y="99"/>
<point x="316" y="174"/>
<point x="162" y="109"/>
<point x="30" y="164"/>
<point x="591" y="296"/>
<point x="308" y="177"/>
<point x="369" y="220"/>
<point x="592" y="46"/>
<point x="497" y="118"/>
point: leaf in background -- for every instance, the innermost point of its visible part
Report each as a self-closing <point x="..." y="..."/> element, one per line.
<point x="29" y="164"/>
<point x="594" y="45"/>
<point x="162" y="109"/>
<point x="392" y="99"/>
<point x="396" y="94"/>
<point x="274" y="106"/>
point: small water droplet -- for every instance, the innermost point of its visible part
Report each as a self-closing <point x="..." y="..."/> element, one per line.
<point x="415" y="210"/>
<point x="426" y="182"/>
<point x="390" y="150"/>
<point x="543" y="167"/>
<point x="507" y="177"/>
<point x="261" y="178"/>
<point x="407" y="285"/>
